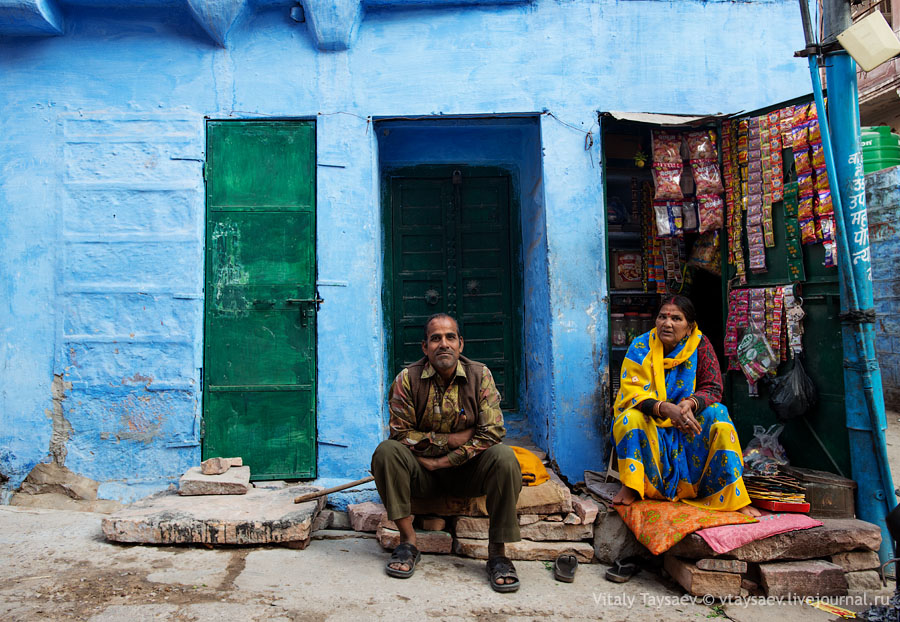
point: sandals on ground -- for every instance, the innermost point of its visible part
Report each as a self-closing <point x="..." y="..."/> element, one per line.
<point x="623" y="569"/>
<point x="404" y="553"/>
<point x="502" y="568"/>
<point x="564" y="567"/>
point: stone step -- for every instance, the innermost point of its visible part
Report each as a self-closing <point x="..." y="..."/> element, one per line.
<point x="698" y="582"/>
<point x="426" y="541"/>
<point x="836" y="535"/>
<point x="526" y="550"/>
<point x="262" y="516"/>
<point x="543" y="531"/>
<point x="810" y="577"/>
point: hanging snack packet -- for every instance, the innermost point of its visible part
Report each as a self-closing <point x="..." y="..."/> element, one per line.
<point x="667" y="180"/>
<point x="815" y="134"/>
<point x="754" y="354"/>
<point x="818" y="155"/>
<point x="822" y="179"/>
<point x="806" y="183"/>
<point x="689" y="216"/>
<point x="706" y="253"/>
<point x="706" y="177"/>
<point x="801" y="162"/>
<point x="665" y="224"/>
<point x="830" y="254"/>
<point x="824" y="206"/>
<point x="666" y="147"/>
<point x="710" y="212"/>
<point x="701" y="145"/>
<point x="827" y="226"/>
<point x="800" y="136"/>
<point x="808" y="231"/>
<point x="805" y="207"/>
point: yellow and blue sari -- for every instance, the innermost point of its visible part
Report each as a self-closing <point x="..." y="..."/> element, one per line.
<point x="656" y="459"/>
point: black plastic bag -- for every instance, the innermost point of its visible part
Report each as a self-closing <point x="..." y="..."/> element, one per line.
<point x="793" y="394"/>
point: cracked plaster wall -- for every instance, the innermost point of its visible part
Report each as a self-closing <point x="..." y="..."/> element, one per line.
<point x="101" y="230"/>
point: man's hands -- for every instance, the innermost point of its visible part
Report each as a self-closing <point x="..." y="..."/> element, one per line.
<point x="433" y="464"/>
<point x="681" y="415"/>
<point x="458" y="439"/>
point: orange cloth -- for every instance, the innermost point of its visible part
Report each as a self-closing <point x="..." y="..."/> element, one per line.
<point x="533" y="471"/>
<point x="660" y="525"/>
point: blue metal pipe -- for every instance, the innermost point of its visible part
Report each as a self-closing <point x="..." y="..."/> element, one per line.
<point x="840" y="140"/>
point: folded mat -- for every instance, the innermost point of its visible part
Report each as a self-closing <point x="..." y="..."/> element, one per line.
<point x="729" y="537"/>
<point x="660" y="525"/>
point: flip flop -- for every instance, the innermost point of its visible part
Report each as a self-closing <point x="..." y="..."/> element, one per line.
<point x="622" y="570"/>
<point x="564" y="567"/>
<point x="498" y="567"/>
<point x="404" y="553"/>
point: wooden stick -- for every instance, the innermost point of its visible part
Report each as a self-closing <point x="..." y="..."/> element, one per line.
<point x="315" y="495"/>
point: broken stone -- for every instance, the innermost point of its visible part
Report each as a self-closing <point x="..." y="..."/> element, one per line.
<point x="554" y="518"/>
<point x="233" y="482"/>
<point x="863" y="581"/>
<point x="527" y="519"/>
<point x="339" y="520"/>
<point x="856" y="560"/>
<point x="53" y="478"/>
<point x="340" y="534"/>
<point x="722" y="565"/>
<point x="836" y="535"/>
<point x="572" y="519"/>
<point x="613" y="539"/>
<point x="215" y="466"/>
<point x="389" y="524"/>
<point x="426" y="541"/>
<point x="322" y="521"/>
<point x="752" y="587"/>
<point x="699" y="582"/>
<point x="586" y="508"/>
<point x="259" y="517"/>
<point x="366" y="516"/>
<point x="433" y="523"/>
<point x="526" y="550"/>
<point x="235" y="462"/>
<point x="477" y="528"/>
<point x="811" y="577"/>
<point x="551" y="497"/>
<point x="59" y="501"/>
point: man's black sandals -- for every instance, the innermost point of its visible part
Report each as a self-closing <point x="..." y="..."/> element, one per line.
<point x="404" y="553"/>
<point x="502" y="568"/>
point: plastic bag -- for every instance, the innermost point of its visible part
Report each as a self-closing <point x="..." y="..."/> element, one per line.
<point x="755" y="355"/>
<point x="793" y="394"/>
<point x="764" y="454"/>
<point x="706" y="253"/>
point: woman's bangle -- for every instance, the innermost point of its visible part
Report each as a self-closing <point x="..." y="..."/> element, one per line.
<point x="696" y="404"/>
<point x="656" y="409"/>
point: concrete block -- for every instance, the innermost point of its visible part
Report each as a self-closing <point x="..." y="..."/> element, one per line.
<point x="863" y="581"/>
<point x="526" y="550"/>
<point x="836" y="535"/>
<point x="259" y="517"/>
<point x="426" y="541"/>
<point x="722" y="565"/>
<point x="699" y="582"/>
<point x="613" y="539"/>
<point x="366" y="516"/>
<point x="856" y="560"/>
<point x="586" y="508"/>
<point x="811" y="577"/>
<point x="234" y="481"/>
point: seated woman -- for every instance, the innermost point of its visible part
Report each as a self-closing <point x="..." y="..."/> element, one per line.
<point x="674" y="439"/>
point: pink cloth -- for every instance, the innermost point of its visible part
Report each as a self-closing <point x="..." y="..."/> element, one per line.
<point x="729" y="537"/>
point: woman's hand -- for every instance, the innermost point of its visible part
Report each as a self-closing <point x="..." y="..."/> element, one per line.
<point x="681" y="415"/>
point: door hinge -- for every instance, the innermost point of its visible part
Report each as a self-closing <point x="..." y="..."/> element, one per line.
<point x="203" y="166"/>
<point x="202" y="428"/>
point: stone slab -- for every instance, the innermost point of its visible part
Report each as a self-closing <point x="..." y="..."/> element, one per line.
<point x="426" y="541"/>
<point x="366" y="516"/>
<point x="614" y="540"/>
<point x="341" y="534"/>
<point x="836" y="535"/>
<point x="864" y="581"/>
<point x="857" y="560"/>
<point x="810" y="577"/>
<point x="551" y="497"/>
<point x="259" y="517"/>
<point x="433" y="523"/>
<point x="526" y="550"/>
<point x="234" y="481"/>
<point x="586" y="508"/>
<point x="699" y="582"/>
<point x="542" y="531"/>
<point x="722" y="565"/>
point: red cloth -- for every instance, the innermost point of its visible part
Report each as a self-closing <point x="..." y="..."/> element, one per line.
<point x="729" y="537"/>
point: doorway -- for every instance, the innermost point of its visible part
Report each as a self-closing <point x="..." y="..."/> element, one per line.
<point x="259" y="389"/>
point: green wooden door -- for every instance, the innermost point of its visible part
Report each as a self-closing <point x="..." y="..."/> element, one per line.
<point x="260" y="334"/>
<point x="452" y="251"/>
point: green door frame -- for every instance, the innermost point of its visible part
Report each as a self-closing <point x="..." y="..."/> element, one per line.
<point x="432" y="171"/>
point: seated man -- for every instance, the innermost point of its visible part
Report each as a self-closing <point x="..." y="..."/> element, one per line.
<point x="446" y="429"/>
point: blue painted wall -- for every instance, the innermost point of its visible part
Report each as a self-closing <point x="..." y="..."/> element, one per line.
<point x="883" y="207"/>
<point x="101" y="225"/>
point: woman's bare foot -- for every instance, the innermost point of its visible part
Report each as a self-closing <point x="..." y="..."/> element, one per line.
<point x="625" y="496"/>
<point x="750" y="511"/>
